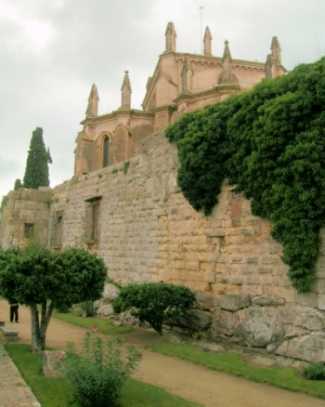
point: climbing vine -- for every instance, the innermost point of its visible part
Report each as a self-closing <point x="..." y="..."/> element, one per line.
<point x="269" y="143"/>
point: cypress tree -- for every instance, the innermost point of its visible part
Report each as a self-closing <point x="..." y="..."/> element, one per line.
<point x="37" y="166"/>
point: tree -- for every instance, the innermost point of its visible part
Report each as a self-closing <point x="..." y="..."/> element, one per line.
<point x="38" y="159"/>
<point x="44" y="280"/>
<point x="18" y="184"/>
<point x="155" y="303"/>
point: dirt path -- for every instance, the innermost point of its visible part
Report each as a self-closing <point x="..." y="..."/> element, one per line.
<point x="192" y="382"/>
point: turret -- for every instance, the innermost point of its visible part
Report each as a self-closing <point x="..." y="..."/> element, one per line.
<point x="276" y="51"/>
<point x="170" y="38"/>
<point x="92" y="108"/>
<point x="227" y="77"/>
<point x="207" y="42"/>
<point x="126" y="92"/>
<point x="273" y="65"/>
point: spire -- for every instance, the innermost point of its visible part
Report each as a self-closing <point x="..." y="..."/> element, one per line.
<point x="170" y="38"/>
<point x="207" y="42"/>
<point x="226" y="52"/>
<point x="276" y="51"/>
<point x="126" y="92"/>
<point x="227" y="77"/>
<point x="92" y="108"/>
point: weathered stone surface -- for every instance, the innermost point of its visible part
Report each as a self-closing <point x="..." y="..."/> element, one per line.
<point x="234" y="302"/>
<point x="105" y="310"/>
<point x="303" y="317"/>
<point x="310" y="348"/>
<point x="202" y="319"/>
<point x="260" y="326"/>
<point x="110" y="291"/>
<point x="264" y="301"/>
<point x="52" y="363"/>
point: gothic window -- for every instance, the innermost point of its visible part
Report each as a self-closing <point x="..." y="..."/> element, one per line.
<point x="28" y="230"/>
<point x="106" y="144"/>
<point x="93" y="220"/>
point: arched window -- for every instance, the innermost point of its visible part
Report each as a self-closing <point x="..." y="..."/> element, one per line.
<point x="106" y="151"/>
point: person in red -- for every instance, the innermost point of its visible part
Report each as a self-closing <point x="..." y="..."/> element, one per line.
<point x="14" y="306"/>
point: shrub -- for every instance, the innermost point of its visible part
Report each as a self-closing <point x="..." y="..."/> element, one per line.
<point x="315" y="371"/>
<point x="270" y="143"/>
<point x="98" y="375"/>
<point x="155" y="302"/>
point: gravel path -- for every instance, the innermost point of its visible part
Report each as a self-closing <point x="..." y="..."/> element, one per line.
<point x="192" y="382"/>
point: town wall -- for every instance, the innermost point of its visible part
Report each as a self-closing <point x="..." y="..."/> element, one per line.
<point x="149" y="232"/>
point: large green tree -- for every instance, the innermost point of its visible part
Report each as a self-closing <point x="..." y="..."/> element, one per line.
<point x="44" y="280"/>
<point x="38" y="159"/>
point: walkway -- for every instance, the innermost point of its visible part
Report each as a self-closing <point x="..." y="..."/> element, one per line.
<point x="13" y="390"/>
<point x="192" y="382"/>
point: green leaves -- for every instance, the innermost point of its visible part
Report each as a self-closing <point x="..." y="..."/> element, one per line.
<point x="37" y="169"/>
<point x="270" y="143"/>
<point x="37" y="275"/>
<point x="155" y="302"/>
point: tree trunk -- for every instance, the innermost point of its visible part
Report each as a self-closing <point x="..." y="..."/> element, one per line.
<point x="39" y="325"/>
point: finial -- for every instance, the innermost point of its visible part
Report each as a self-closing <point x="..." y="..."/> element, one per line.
<point x="170" y="37"/>
<point x="226" y="52"/>
<point x="207" y="42"/>
<point x="276" y="51"/>
<point x="92" y="108"/>
<point x="126" y="91"/>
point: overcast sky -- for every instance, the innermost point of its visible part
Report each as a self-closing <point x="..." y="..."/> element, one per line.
<point x="51" y="51"/>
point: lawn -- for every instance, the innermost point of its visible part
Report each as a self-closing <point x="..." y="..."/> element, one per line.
<point x="56" y="392"/>
<point x="233" y="363"/>
<point x="228" y="362"/>
<point x="102" y="325"/>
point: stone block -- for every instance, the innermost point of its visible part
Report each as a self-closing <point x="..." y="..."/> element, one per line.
<point x="265" y="300"/>
<point x="234" y="302"/>
<point x="52" y="363"/>
<point x="310" y="348"/>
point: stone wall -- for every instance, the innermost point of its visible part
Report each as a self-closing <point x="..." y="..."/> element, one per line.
<point x="25" y="217"/>
<point x="147" y="231"/>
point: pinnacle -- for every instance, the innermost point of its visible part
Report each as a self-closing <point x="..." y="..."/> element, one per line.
<point x="207" y="33"/>
<point x="227" y="53"/>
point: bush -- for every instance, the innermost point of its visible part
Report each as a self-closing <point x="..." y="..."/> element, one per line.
<point x="270" y="143"/>
<point x="155" y="302"/>
<point x="315" y="371"/>
<point x="98" y="375"/>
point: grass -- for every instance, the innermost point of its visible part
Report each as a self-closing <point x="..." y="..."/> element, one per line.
<point x="227" y="362"/>
<point x="57" y="392"/>
<point x="233" y="363"/>
<point x="103" y="326"/>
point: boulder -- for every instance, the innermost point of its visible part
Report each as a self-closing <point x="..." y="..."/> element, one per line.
<point x="260" y="326"/>
<point x="233" y="302"/>
<point x="310" y="348"/>
<point x="111" y="291"/>
<point x="105" y="310"/>
<point x="52" y="363"/>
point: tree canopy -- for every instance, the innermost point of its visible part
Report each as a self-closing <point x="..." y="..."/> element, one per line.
<point x="270" y="143"/>
<point x="44" y="280"/>
<point x="37" y="165"/>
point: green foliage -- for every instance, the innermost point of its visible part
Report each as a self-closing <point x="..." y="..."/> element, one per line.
<point x="126" y="167"/>
<point x="155" y="302"/>
<point x="37" y="275"/>
<point x="38" y="159"/>
<point x="315" y="371"/>
<point x="18" y="184"/>
<point x="99" y="374"/>
<point x="270" y="144"/>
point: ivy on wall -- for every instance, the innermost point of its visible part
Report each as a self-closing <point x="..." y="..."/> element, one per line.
<point x="270" y="143"/>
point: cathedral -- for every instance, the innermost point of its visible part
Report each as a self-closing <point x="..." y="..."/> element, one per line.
<point x="181" y="82"/>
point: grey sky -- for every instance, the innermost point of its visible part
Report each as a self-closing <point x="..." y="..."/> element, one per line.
<point x="52" y="51"/>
